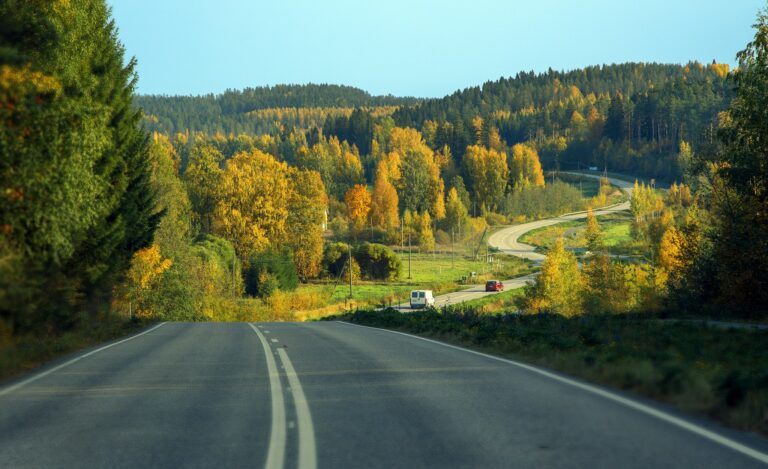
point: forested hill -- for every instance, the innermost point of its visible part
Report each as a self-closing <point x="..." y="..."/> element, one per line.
<point x="632" y="117"/>
<point x="529" y="90"/>
<point x="236" y="111"/>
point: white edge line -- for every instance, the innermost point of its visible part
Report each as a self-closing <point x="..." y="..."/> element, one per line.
<point x="45" y="373"/>
<point x="307" y="448"/>
<point x="703" y="432"/>
<point x="277" y="433"/>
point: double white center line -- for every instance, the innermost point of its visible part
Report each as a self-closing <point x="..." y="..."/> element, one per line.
<point x="278" y="434"/>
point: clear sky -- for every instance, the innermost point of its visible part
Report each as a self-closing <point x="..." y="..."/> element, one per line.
<point x="413" y="47"/>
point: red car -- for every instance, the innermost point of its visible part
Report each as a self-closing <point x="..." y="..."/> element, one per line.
<point x="494" y="285"/>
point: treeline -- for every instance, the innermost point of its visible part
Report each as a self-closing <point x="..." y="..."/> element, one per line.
<point x="76" y="200"/>
<point x="631" y="116"/>
<point x="237" y="111"/>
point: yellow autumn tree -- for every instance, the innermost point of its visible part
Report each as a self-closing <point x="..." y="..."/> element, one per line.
<point x="671" y="258"/>
<point x="488" y="173"/>
<point x="593" y="234"/>
<point x="252" y="208"/>
<point x="358" y="200"/>
<point x="307" y="206"/>
<point x="525" y="170"/>
<point x="494" y="141"/>
<point x="384" y="201"/>
<point x="558" y="289"/>
<point x="477" y="127"/>
<point x="720" y="70"/>
<point x="418" y="180"/>
<point x="426" y="237"/>
<point x="605" y="289"/>
<point x="456" y="217"/>
<point x="146" y="270"/>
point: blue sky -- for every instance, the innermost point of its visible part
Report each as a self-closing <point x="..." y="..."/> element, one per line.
<point x="413" y="47"/>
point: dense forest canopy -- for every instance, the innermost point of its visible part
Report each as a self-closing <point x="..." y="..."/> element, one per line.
<point x="630" y="117"/>
<point x="236" y="111"/>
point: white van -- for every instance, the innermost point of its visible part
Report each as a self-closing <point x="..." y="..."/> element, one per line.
<point x="422" y="299"/>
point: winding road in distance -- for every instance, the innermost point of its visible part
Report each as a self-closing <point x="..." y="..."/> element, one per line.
<point x="335" y="395"/>
<point x="506" y="239"/>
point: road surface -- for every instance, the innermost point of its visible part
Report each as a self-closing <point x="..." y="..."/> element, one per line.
<point x="334" y="395"/>
<point x="506" y="240"/>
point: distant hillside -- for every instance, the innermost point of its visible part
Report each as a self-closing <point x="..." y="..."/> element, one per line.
<point x="233" y="111"/>
<point x="529" y="90"/>
<point x="632" y="117"/>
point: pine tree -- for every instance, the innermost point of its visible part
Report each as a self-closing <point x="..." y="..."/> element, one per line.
<point x="85" y="200"/>
<point x="614" y="123"/>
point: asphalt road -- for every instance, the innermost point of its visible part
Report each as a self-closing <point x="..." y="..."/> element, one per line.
<point x="472" y="292"/>
<point x="506" y="240"/>
<point x="337" y="396"/>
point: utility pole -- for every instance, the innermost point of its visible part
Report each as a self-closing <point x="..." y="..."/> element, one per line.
<point x="402" y="237"/>
<point x="453" y="240"/>
<point x="409" y="255"/>
<point x="349" y="246"/>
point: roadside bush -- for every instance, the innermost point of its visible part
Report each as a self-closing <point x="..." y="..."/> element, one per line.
<point x="269" y="271"/>
<point x="377" y="262"/>
<point x="211" y="267"/>
<point x="335" y="260"/>
<point x="494" y="219"/>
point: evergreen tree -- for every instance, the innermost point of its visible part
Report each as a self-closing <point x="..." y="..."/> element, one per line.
<point x="85" y="200"/>
<point x="614" y="123"/>
<point x="737" y="245"/>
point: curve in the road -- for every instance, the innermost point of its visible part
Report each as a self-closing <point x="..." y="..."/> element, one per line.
<point x="507" y="241"/>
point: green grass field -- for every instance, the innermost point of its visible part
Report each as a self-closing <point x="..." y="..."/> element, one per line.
<point x="437" y="272"/>
<point x="616" y="235"/>
<point x="502" y="301"/>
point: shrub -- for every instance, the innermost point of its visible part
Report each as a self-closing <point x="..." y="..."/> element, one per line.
<point x="377" y="261"/>
<point x="335" y="259"/>
<point x="269" y="271"/>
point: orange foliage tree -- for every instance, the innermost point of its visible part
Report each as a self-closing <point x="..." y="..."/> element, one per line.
<point x="358" y="200"/>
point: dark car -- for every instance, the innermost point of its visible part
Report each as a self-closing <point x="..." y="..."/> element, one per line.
<point x="494" y="285"/>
